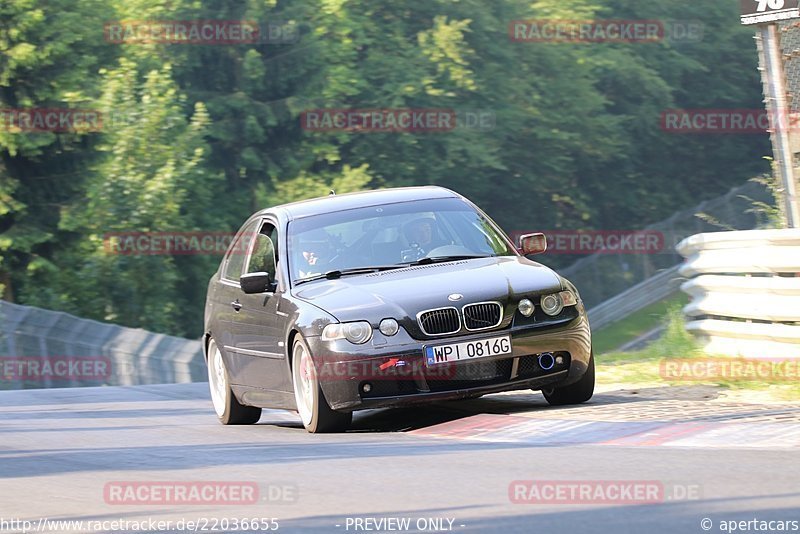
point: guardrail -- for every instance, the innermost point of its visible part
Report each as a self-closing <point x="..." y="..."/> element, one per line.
<point x="745" y="291"/>
<point x="652" y="290"/>
<point x="603" y="276"/>
<point x="42" y="348"/>
<point x="614" y="286"/>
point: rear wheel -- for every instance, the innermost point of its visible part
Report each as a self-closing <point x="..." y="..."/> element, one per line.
<point x="229" y="410"/>
<point x="314" y="411"/>
<point x="580" y="391"/>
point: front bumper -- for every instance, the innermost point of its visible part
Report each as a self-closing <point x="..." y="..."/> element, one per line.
<point x="395" y="371"/>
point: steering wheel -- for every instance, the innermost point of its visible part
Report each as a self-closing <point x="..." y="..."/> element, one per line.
<point x="332" y="259"/>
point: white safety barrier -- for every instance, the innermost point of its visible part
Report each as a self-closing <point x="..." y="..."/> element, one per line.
<point x="745" y="291"/>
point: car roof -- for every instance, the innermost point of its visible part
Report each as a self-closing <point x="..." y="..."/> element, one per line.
<point x="333" y="203"/>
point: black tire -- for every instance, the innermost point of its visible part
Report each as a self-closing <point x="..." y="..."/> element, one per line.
<point x="229" y="410"/>
<point x="239" y="414"/>
<point x="315" y="413"/>
<point x="577" y="393"/>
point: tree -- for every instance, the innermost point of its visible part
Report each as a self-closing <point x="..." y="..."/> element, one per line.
<point x="152" y="177"/>
<point x="50" y="53"/>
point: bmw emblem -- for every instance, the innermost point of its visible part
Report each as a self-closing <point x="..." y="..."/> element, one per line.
<point x="455" y="297"/>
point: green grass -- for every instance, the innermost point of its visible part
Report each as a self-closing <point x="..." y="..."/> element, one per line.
<point x="676" y="342"/>
<point x="613" y="336"/>
<point x="643" y="368"/>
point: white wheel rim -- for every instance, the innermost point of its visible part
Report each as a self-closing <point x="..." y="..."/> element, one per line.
<point x="217" y="379"/>
<point x="305" y="383"/>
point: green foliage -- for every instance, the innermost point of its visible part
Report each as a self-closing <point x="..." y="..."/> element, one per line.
<point x="152" y="177"/>
<point x="200" y="136"/>
<point x="675" y="342"/>
<point x="307" y="186"/>
<point x="771" y="215"/>
<point x="613" y="336"/>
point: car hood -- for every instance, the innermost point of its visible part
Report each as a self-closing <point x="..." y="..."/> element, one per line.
<point x="403" y="293"/>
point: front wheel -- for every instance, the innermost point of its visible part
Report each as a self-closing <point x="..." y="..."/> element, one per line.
<point x="580" y="391"/>
<point x="314" y="411"/>
<point x="229" y="410"/>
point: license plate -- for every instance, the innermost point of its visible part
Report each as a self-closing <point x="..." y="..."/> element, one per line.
<point x="467" y="350"/>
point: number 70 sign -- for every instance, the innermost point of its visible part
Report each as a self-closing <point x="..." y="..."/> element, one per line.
<point x="761" y="11"/>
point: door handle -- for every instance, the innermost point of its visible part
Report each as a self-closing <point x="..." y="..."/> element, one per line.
<point x="236" y="305"/>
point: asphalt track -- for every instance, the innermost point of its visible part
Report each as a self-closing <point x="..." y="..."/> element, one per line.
<point x="448" y="467"/>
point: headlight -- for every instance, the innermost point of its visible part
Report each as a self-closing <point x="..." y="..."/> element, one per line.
<point x="389" y="327"/>
<point x="526" y="307"/>
<point x="358" y="332"/>
<point x="553" y="304"/>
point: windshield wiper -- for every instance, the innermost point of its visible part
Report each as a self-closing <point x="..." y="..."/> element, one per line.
<point x="333" y="275"/>
<point x="441" y="259"/>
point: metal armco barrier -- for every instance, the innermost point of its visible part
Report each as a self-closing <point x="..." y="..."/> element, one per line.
<point x="42" y="349"/>
<point x="603" y="277"/>
<point x="745" y="291"/>
<point x="652" y="290"/>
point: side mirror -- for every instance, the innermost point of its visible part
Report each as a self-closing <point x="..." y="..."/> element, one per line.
<point x="532" y="243"/>
<point x="255" y="282"/>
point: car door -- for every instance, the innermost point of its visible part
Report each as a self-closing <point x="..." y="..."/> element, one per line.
<point x="259" y="325"/>
<point x="227" y="297"/>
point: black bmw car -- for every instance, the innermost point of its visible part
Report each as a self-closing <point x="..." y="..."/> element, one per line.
<point x="387" y="298"/>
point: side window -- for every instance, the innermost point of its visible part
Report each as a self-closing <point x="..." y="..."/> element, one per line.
<point x="234" y="261"/>
<point x="265" y="253"/>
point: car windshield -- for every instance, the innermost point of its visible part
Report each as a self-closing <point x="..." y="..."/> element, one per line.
<point x="391" y="235"/>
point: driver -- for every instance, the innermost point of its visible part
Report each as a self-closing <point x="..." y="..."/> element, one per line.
<point x="423" y="233"/>
<point x="315" y="254"/>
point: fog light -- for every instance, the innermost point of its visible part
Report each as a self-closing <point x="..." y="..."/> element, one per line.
<point x="366" y="388"/>
<point x="526" y="307"/>
<point x="389" y="327"/>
